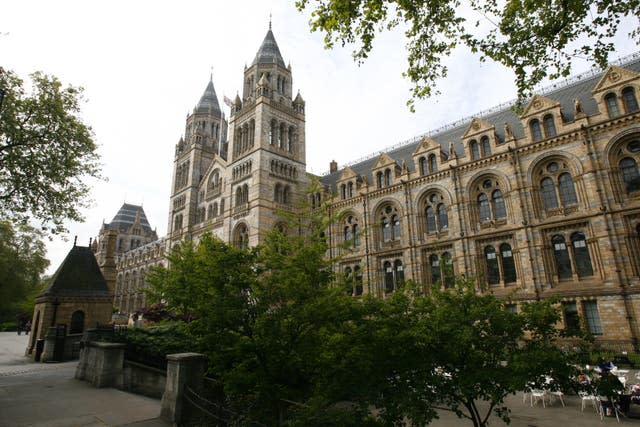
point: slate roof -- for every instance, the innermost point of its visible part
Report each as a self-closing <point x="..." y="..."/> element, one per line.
<point x="77" y="276"/>
<point x="208" y="103"/>
<point x="580" y="88"/>
<point x="126" y="216"/>
<point x="269" y="53"/>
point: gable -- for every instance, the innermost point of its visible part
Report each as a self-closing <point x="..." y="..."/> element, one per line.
<point x="537" y="104"/>
<point x="384" y="161"/>
<point x="477" y="126"/>
<point x="347" y="174"/>
<point x="614" y="76"/>
<point x="427" y="144"/>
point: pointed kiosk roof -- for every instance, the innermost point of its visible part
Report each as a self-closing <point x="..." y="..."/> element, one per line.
<point x="77" y="276"/>
<point x="209" y="101"/>
<point x="126" y="217"/>
<point x="269" y="53"/>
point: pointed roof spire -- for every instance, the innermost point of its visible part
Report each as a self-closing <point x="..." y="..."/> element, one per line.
<point x="209" y="101"/>
<point x="269" y="53"/>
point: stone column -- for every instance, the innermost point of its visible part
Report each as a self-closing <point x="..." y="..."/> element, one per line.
<point x="182" y="369"/>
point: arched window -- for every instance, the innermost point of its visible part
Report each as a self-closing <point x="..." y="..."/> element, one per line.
<point x="348" y="278"/>
<point x="549" y="126"/>
<point x="630" y="175"/>
<point x="493" y="270"/>
<point x="76" y="326"/>
<point x="347" y="234"/>
<point x="431" y="219"/>
<point x="629" y="99"/>
<point x="398" y="270"/>
<point x="548" y="190"/>
<point x="536" y="132"/>
<point x="612" y="105"/>
<point x="356" y="235"/>
<point x="273" y="131"/>
<point x="443" y="218"/>
<point x="241" y="237"/>
<point x="567" y="190"/>
<point x="581" y="256"/>
<point x="357" y="272"/>
<point x="557" y="188"/>
<point x="475" y="149"/>
<point x="343" y="189"/>
<point x="387" y="177"/>
<point x="483" y="208"/>
<point x="290" y="140"/>
<point x="508" y="265"/>
<point x="422" y="164"/>
<point x="499" y="210"/>
<point x="433" y="165"/>
<point x="349" y="189"/>
<point x="447" y="267"/>
<point x="286" y="195"/>
<point x="561" y="256"/>
<point x="282" y="136"/>
<point x="390" y="223"/>
<point x="486" y="146"/>
<point x="380" y="179"/>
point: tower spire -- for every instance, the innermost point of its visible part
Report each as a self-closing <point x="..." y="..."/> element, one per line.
<point x="269" y="21"/>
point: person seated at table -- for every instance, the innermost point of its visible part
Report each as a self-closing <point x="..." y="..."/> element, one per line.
<point x="583" y="379"/>
<point x="605" y="366"/>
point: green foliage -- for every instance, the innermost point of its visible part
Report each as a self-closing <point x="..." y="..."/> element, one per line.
<point x="537" y="40"/>
<point x="45" y="152"/>
<point x="22" y="263"/>
<point x="159" y="340"/>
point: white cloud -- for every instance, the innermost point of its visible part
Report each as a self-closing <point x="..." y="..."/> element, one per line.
<point x="144" y="64"/>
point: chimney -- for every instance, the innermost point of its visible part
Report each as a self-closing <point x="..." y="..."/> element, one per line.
<point x="333" y="166"/>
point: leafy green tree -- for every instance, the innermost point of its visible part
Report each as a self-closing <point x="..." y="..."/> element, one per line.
<point x="45" y="151"/>
<point x="22" y="263"/>
<point x="537" y="40"/>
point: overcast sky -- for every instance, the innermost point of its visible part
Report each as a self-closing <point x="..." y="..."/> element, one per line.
<point x="145" y="64"/>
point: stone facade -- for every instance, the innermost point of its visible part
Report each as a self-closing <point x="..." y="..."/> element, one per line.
<point x="544" y="202"/>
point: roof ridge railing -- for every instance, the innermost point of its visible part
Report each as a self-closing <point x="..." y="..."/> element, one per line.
<point x="497" y="108"/>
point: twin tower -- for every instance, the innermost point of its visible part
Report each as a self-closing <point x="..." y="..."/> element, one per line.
<point x="231" y="178"/>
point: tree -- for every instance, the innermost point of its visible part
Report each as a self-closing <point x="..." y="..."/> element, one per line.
<point x="45" y="152"/>
<point x="22" y="263"/>
<point x="537" y="40"/>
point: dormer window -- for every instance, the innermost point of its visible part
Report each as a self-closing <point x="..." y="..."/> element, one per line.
<point x="486" y="147"/>
<point x="549" y="126"/>
<point x="536" y="131"/>
<point x="423" y="166"/>
<point x="433" y="166"/>
<point x="475" y="149"/>
<point x="629" y="99"/>
<point x="612" y="105"/>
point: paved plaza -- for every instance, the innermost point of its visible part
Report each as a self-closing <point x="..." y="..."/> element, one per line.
<point x="47" y="395"/>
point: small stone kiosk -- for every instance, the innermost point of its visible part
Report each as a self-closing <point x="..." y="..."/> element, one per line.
<point x="76" y="297"/>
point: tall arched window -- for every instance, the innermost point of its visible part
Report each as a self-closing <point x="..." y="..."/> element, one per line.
<point x="422" y="163"/>
<point x="475" y="149"/>
<point x="76" y="325"/>
<point x="612" y="105"/>
<point x="343" y="189"/>
<point x="536" y="132"/>
<point x="433" y="165"/>
<point x="567" y="189"/>
<point x="387" y="177"/>
<point x="398" y="270"/>
<point x="282" y="136"/>
<point x="508" y="265"/>
<point x="386" y="229"/>
<point x="357" y="272"/>
<point x="483" y="208"/>
<point x="499" y="210"/>
<point x="584" y="268"/>
<point x="431" y="219"/>
<point x="630" y="175"/>
<point x="561" y="256"/>
<point x="348" y="278"/>
<point x="273" y="131"/>
<point x="486" y="146"/>
<point x="548" y="189"/>
<point x="447" y="267"/>
<point x="380" y="179"/>
<point x="388" y="277"/>
<point x="290" y="140"/>
<point x="493" y="270"/>
<point x="347" y="234"/>
<point x="395" y="220"/>
<point x="549" y="126"/>
<point x="286" y="195"/>
<point x="443" y="218"/>
<point x="629" y="99"/>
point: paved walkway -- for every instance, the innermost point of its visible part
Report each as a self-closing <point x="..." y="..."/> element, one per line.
<point x="47" y="395"/>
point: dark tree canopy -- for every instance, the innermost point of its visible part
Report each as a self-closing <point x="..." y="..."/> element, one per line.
<point x="537" y="40"/>
<point x="46" y="151"/>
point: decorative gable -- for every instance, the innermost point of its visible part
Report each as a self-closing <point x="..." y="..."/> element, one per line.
<point x="384" y="161"/>
<point x="476" y="127"/>
<point x="539" y="104"/>
<point x="614" y="76"/>
<point x="427" y="144"/>
<point x="347" y="174"/>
